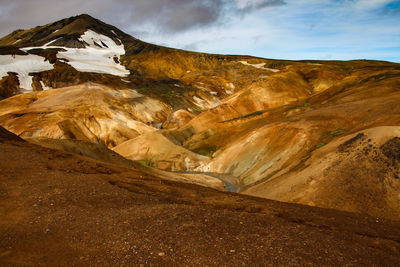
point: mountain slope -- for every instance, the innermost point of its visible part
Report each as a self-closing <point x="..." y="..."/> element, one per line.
<point x="356" y="173"/>
<point x="80" y="212"/>
<point x="88" y="112"/>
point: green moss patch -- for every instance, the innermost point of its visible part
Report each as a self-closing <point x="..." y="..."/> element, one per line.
<point x="148" y="163"/>
<point x="319" y="146"/>
<point x="337" y="132"/>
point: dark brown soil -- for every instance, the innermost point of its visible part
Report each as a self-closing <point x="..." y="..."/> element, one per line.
<point x="60" y="209"/>
<point x="346" y="146"/>
<point x="6" y="135"/>
<point x="9" y="85"/>
<point x="391" y="149"/>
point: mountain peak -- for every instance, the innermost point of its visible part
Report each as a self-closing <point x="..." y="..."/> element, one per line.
<point x="85" y="16"/>
<point x="85" y="20"/>
<point x="67" y="32"/>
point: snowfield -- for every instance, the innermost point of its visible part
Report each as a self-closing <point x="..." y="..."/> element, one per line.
<point x="98" y="56"/>
<point x="258" y="66"/>
<point x="23" y="65"/>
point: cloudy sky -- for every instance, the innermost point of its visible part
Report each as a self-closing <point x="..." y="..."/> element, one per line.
<point x="287" y="29"/>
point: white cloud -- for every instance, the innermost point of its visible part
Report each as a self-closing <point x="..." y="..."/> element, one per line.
<point x="370" y="4"/>
<point x="292" y="29"/>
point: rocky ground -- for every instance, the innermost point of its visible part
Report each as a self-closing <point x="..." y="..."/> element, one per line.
<point x="61" y="209"/>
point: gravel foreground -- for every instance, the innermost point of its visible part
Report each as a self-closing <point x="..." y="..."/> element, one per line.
<point x="62" y="209"/>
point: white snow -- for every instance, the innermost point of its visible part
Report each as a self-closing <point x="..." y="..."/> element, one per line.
<point x="92" y="58"/>
<point x="231" y="86"/>
<point x="199" y="102"/>
<point x="258" y="66"/>
<point x="44" y="46"/>
<point x="44" y="87"/>
<point x="23" y="65"/>
<point x="200" y="87"/>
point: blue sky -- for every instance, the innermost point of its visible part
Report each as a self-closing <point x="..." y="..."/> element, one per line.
<point x="324" y="29"/>
<point x="286" y="29"/>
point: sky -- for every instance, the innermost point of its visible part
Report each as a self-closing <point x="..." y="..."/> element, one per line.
<point x="280" y="29"/>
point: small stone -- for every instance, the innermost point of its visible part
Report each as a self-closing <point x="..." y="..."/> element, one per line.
<point x="232" y="251"/>
<point x="161" y="254"/>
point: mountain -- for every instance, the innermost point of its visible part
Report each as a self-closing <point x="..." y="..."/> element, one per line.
<point x="319" y="133"/>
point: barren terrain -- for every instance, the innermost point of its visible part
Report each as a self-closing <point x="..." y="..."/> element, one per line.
<point x="62" y="209"/>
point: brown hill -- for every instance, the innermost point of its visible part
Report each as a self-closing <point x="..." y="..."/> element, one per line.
<point x="60" y="209"/>
<point x="89" y="112"/>
<point x="99" y="152"/>
<point x="358" y="173"/>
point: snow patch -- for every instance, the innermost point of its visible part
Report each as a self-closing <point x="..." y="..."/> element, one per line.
<point x="94" y="58"/>
<point x="215" y="105"/>
<point x="258" y="66"/>
<point x="44" y="87"/>
<point x="23" y="65"/>
<point x="45" y="45"/>
<point x="93" y="39"/>
<point x="228" y="92"/>
<point x="97" y="57"/>
<point x="231" y="86"/>
<point x="199" y="102"/>
<point x="201" y="87"/>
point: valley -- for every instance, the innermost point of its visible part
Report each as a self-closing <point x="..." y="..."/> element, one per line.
<point x="233" y="152"/>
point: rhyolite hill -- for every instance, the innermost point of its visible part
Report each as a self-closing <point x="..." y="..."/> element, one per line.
<point x="320" y="133"/>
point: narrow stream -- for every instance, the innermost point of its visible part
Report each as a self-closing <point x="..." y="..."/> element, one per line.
<point x="229" y="186"/>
